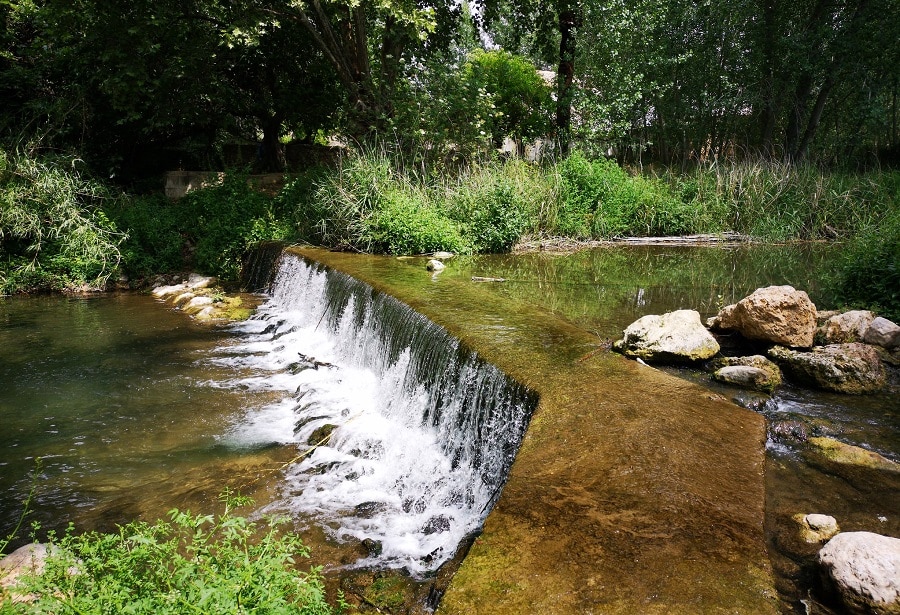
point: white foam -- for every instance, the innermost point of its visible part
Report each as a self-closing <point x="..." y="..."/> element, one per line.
<point x="391" y="471"/>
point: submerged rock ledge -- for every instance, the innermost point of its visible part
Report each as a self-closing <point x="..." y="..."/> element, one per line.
<point x="633" y="491"/>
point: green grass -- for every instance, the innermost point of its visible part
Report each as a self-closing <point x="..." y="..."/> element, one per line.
<point x="59" y="230"/>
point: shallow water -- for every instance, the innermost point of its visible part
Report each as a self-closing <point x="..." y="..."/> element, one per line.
<point x="115" y="396"/>
<point x="135" y="409"/>
<point x="606" y="289"/>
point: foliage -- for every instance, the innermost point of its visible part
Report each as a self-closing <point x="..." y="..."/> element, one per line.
<point x="190" y="563"/>
<point x="518" y="94"/>
<point x="496" y="203"/>
<point x="373" y="203"/>
<point x="599" y="199"/>
<point x="779" y="201"/>
<point x="222" y="221"/>
<point x="466" y="102"/>
<point x="868" y="272"/>
<point x="53" y="233"/>
<point x="403" y="224"/>
<point x="154" y="243"/>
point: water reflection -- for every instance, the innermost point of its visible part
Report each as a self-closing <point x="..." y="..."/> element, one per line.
<point x="111" y="393"/>
<point x="603" y="290"/>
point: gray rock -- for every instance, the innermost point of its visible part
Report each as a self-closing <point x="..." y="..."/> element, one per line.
<point x="882" y="332"/>
<point x="196" y="281"/>
<point x="746" y="376"/>
<point x="676" y="336"/>
<point x="442" y="255"/>
<point x="865" y="569"/>
<point x="843" y="368"/>
<point x="435" y="265"/>
<point x="847" y="327"/>
<point x="753" y="372"/>
<point x="777" y="314"/>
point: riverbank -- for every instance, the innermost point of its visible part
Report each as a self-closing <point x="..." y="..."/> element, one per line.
<point x="63" y="230"/>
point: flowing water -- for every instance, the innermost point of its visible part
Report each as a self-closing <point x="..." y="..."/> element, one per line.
<point x="414" y="433"/>
<point x="134" y="409"/>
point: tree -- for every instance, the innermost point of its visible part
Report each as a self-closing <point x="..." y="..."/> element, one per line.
<point x="547" y="31"/>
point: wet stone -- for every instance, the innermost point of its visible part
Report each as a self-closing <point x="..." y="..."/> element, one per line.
<point x="367" y="510"/>
<point x="437" y="525"/>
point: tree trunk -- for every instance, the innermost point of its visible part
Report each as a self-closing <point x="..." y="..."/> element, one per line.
<point x="568" y="22"/>
<point x="769" y="111"/>
<point x="271" y="155"/>
<point x="814" y="118"/>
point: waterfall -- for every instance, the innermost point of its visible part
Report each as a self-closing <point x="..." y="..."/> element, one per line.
<point x="424" y="431"/>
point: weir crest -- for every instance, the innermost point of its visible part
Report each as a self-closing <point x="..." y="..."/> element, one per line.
<point x="410" y="435"/>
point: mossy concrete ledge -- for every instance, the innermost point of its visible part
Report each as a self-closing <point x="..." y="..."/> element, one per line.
<point x="633" y="491"/>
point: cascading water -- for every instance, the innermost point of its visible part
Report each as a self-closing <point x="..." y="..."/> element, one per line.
<point x="424" y="430"/>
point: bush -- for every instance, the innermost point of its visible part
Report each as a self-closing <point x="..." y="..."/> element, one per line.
<point x="492" y="208"/>
<point x="599" y="199"/>
<point x="53" y="234"/>
<point x="224" y="220"/>
<point x="403" y="224"/>
<point x="155" y="241"/>
<point x="191" y="563"/>
<point x="868" y="271"/>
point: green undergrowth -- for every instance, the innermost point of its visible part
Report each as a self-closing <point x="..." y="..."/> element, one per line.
<point x="186" y="564"/>
<point x="59" y="230"/>
<point x="208" y="230"/>
<point x="868" y="272"/>
<point x="54" y="234"/>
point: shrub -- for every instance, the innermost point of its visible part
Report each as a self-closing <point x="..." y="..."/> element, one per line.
<point x="868" y="270"/>
<point x="53" y="234"/>
<point x="600" y="199"/>
<point x="491" y="209"/>
<point x="191" y="563"/>
<point x="404" y="224"/>
<point x="155" y="241"/>
<point x="224" y="220"/>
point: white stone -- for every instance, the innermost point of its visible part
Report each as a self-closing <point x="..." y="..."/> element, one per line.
<point x="847" y="327"/>
<point x="882" y="332"/>
<point x="162" y="292"/>
<point x="678" y="336"/>
<point x="818" y="528"/>
<point x="196" y="304"/>
<point x="865" y="569"/>
<point x="196" y="281"/>
<point x="435" y="265"/>
<point x="183" y="297"/>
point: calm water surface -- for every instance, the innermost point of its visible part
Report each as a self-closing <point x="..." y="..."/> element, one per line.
<point x="114" y="395"/>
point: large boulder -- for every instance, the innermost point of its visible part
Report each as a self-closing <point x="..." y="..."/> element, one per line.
<point x="882" y="332"/>
<point x="865" y="570"/>
<point x="843" y="368"/>
<point x="777" y="314"/>
<point x="845" y="328"/>
<point x="673" y="337"/>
